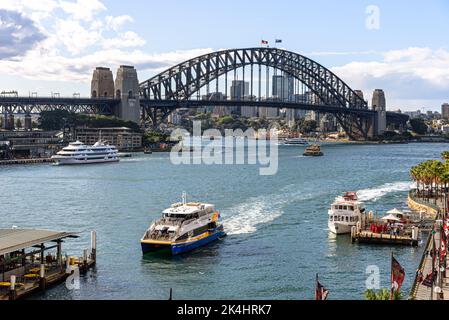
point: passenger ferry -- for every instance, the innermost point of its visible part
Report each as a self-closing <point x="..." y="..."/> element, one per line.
<point x="183" y="227"/>
<point x="296" y="142"/>
<point x="345" y="212"/>
<point x="79" y="153"/>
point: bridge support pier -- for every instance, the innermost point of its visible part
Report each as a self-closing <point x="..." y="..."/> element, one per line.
<point x="154" y="115"/>
<point x="356" y="127"/>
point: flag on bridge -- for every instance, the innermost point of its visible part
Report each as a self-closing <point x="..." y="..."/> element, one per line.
<point x="397" y="276"/>
<point x="278" y="41"/>
<point x="264" y="42"/>
<point x="321" y="292"/>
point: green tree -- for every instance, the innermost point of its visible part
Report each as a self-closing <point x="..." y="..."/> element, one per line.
<point x="418" y="126"/>
<point x="383" y="294"/>
<point x="307" y="126"/>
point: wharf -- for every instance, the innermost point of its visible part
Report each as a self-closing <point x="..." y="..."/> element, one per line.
<point x="25" y="161"/>
<point x="364" y="236"/>
<point x="32" y="261"/>
<point x="437" y="288"/>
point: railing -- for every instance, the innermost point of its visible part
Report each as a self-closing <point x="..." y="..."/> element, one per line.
<point x="413" y="194"/>
<point x="414" y="288"/>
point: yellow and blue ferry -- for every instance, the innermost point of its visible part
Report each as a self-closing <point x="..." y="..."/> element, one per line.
<point x="183" y="227"/>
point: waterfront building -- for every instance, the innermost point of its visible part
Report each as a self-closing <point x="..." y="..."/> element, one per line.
<point x="445" y="111"/>
<point x="123" y="138"/>
<point x="239" y="91"/>
<point x="31" y="144"/>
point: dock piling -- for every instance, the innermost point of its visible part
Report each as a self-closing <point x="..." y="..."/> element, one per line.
<point x="93" y="245"/>
<point x="12" y="289"/>
<point x="42" y="279"/>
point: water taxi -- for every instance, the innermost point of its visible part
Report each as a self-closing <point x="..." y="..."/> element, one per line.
<point x="183" y="227"/>
<point x="79" y="153"/>
<point x="313" y="151"/>
<point x="344" y="213"/>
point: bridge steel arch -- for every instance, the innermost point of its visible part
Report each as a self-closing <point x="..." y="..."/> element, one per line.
<point x="181" y="82"/>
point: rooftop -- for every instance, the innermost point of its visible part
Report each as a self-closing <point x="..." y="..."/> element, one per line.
<point x="188" y="208"/>
<point x="12" y="240"/>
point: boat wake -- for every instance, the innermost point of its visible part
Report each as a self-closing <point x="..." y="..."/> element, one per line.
<point x="245" y="218"/>
<point x="376" y="193"/>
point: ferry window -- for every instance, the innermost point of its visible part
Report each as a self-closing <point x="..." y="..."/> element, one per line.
<point x="347" y="219"/>
<point x="351" y="208"/>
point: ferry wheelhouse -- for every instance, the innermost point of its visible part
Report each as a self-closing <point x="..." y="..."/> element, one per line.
<point x="79" y="153"/>
<point x="183" y="227"/>
<point x="345" y="212"/>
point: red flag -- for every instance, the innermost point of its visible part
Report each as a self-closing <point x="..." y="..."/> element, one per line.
<point x="321" y="292"/>
<point x="264" y="42"/>
<point x="397" y="276"/>
<point x="443" y="249"/>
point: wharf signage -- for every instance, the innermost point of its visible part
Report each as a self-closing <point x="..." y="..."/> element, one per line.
<point x="252" y="147"/>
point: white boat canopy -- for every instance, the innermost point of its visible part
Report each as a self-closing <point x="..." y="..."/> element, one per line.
<point x="395" y="212"/>
<point x="391" y="217"/>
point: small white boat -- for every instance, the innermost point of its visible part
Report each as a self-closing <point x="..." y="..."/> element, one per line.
<point x="296" y="142"/>
<point x="79" y="153"/>
<point x="344" y="213"/>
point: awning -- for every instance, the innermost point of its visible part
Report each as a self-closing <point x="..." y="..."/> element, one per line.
<point x="12" y="240"/>
<point x="391" y="217"/>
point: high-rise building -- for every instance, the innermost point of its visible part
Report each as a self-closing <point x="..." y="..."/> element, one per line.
<point x="445" y="111"/>
<point x="283" y="87"/>
<point x="239" y="89"/>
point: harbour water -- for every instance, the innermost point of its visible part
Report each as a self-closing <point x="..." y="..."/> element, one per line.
<point x="277" y="225"/>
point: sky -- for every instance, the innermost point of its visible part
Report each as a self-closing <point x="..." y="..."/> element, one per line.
<point x="399" y="46"/>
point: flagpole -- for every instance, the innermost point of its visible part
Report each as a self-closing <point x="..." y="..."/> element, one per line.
<point x="391" y="278"/>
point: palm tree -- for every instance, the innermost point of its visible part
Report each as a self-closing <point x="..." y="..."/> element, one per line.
<point x="383" y="294"/>
<point x="445" y="156"/>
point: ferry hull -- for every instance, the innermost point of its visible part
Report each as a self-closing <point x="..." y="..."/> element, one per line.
<point x="339" y="228"/>
<point x="180" y="248"/>
<point x="63" y="162"/>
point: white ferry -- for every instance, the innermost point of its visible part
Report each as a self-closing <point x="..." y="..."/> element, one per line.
<point x="79" y="153"/>
<point x="345" y="212"/>
<point x="296" y="142"/>
<point x="183" y="227"/>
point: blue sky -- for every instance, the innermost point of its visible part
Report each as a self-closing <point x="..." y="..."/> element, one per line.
<point x="408" y="56"/>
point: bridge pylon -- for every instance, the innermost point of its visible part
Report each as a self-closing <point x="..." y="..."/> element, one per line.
<point x="127" y="90"/>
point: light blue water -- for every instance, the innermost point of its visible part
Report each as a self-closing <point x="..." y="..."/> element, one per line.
<point x="278" y="238"/>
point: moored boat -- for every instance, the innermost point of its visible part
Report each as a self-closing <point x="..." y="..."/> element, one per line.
<point x="79" y="153"/>
<point x="183" y="227"/>
<point x="345" y="213"/>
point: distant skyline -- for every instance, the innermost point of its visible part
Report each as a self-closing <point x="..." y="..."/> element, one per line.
<point x="54" y="45"/>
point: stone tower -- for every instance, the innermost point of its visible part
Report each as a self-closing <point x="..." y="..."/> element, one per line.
<point x="102" y="84"/>
<point x="127" y="89"/>
<point x="379" y="104"/>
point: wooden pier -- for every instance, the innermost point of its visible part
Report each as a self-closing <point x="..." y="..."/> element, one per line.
<point x="32" y="261"/>
<point x="369" y="237"/>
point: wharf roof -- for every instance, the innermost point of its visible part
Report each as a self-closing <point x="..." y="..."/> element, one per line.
<point x="12" y="240"/>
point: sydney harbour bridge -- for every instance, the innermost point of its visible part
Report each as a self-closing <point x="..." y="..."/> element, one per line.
<point x="204" y="81"/>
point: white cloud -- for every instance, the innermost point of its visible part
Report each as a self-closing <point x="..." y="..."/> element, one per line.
<point x="116" y="23"/>
<point x="82" y="9"/>
<point x="127" y="39"/>
<point x="411" y="74"/>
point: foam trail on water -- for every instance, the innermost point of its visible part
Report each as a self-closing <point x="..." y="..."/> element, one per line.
<point x="246" y="217"/>
<point x="376" y="193"/>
